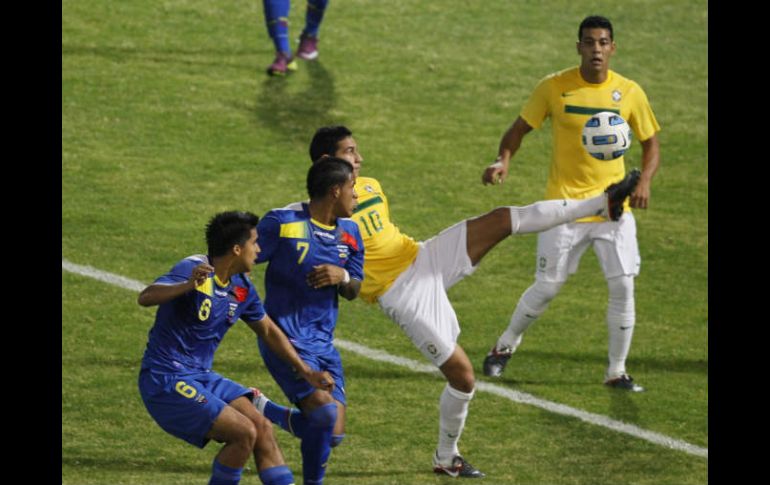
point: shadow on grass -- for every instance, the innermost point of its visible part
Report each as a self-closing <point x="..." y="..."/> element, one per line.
<point x="622" y="405"/>
<point x="292" y="111"/>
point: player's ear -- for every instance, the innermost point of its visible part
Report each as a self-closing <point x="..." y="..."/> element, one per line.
<point x="336" y="191"/>
<point x="237" y="249"/>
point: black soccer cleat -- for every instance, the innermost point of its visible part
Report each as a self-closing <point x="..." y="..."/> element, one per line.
<point x="617" y="193"/>
<point x="494" y="362"/>
<point x="625" y="382"/>
<point x="458" y="468"/>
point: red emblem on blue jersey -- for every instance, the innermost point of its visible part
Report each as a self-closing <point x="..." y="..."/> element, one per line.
<point x="240" y="293"/>
<point x="349" y="240"/>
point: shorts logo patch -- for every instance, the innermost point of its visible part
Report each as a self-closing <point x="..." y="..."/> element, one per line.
<point x="542" y="262"/>
<point x="431" y="349"/>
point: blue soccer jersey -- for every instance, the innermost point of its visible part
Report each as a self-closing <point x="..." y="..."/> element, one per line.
<point x="293" y="244"/>
<point x="189" y="328"/>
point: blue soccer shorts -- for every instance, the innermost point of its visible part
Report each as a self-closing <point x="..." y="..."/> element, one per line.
<point x="292" y="384"/>
<point x="186" y="405"/>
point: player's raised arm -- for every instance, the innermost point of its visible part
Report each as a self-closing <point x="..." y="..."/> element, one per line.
<point x="278" y="343"/>
<point x="156" y="293"/>
<point x="497" y="172"/>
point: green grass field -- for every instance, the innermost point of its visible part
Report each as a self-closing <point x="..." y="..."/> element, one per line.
<point x="168" y="118"/>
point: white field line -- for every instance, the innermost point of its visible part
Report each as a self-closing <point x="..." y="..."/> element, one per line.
<point x="381" y="356"/>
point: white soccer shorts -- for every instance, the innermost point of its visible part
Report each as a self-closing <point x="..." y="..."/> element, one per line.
<point x="559" y="249"/>
<point x="417" y="301"/>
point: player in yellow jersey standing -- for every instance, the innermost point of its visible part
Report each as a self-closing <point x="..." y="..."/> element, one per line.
<point x="410" y="279"/>
<point x="569" y="97"/>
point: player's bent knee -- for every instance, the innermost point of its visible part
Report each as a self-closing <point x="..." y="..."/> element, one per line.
<point x="264" y="429"/>
<point x="545" y="291"/>
<point x="246" y="436"/>
<point x="324" y="416"/>
<point x="621" y="287"/>
<point x="462" y="381"/>
<point x="337" y="439"/>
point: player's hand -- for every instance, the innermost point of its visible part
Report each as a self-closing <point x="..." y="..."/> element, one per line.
<point x="320" y="380"/>
<point x="325" y="275"/>
<point x="496" y="173"/>
<point x="200" y="273"/>
<point x="640" y="198"/>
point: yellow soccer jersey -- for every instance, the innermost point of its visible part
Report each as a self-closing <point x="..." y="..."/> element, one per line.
<point x="387" y="252"/>
<point x="569" y="101"/>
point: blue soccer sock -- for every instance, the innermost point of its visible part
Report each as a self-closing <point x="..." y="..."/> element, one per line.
<point x="290" y="419"/>
<point x="277" y="20"/>
<point x="313" y="16"/>
<point x="224" y="475"/>
<point x="277" y="475"/>
<point x="316" y="445"/>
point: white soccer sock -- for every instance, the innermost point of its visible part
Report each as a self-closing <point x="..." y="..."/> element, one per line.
<point x="259" y="402"/>
<point x="453" y="409"/>
<point x="521" y="319"/>
<point x="620" y="323"/>
<point x="531" y="305"/>
<point x="546" y="214"/>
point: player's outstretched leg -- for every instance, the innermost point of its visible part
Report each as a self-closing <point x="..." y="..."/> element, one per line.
<point x="617" y="193"/>
<point x="484" y="232"/>
<point x="544" y="215"/>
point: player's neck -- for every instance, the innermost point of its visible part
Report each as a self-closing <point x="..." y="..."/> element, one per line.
<point x="223" y="269"/>
<point x="323" y="212"/>
<point x="592" y="76"/>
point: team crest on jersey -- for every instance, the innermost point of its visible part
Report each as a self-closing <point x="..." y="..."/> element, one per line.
<point x="616" y="96"/>
<point x="369" y="188"/>
<point x="349" y="239"/>
<point x="239" y="293"/>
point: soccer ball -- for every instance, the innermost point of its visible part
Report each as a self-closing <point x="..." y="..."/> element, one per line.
<point x="606" y="136"/>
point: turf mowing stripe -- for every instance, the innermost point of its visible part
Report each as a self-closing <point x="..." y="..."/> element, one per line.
<point x="379" y="355"/>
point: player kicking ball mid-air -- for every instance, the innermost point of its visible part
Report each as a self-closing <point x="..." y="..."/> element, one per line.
<point x="410" y="279"/>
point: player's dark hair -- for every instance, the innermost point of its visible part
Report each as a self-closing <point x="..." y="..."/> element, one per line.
<point x="595" y="22"/>
<point x="325" y="141"/>
<point x="325" y="173"/>
<point x="227" y="229"/>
